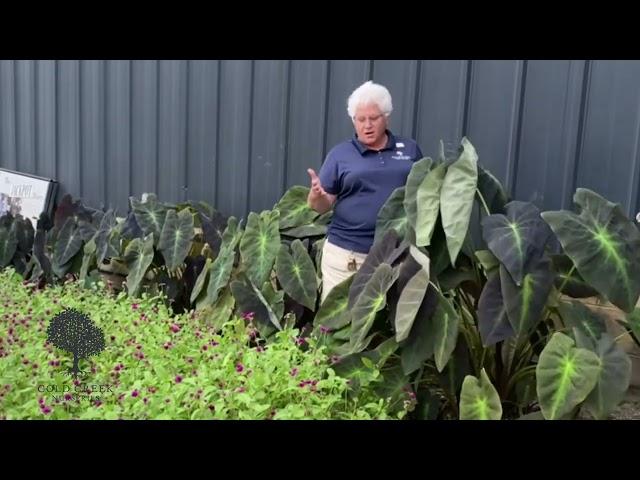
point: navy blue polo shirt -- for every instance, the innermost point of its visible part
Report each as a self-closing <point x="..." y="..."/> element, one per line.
<point x="363" y="179"/>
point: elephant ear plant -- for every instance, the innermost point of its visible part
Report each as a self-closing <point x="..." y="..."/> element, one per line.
<point x="467" y="299"/>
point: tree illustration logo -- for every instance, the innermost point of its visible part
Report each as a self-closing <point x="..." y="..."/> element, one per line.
<point x="75" y="333"/>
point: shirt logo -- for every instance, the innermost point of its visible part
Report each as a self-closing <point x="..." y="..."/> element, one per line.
<point x="401" y="156"/>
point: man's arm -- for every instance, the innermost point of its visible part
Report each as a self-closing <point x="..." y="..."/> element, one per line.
<point x="318" y="199"/>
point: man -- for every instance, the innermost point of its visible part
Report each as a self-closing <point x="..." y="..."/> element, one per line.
<point x="356" y="179"/>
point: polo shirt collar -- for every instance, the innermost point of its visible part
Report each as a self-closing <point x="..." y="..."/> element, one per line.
<point x="391" y="141"/>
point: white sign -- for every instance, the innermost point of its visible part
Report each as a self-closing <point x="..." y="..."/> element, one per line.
<point x="25" y="194"/>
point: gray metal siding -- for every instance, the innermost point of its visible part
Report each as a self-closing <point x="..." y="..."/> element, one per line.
<point x="238" y="133"/>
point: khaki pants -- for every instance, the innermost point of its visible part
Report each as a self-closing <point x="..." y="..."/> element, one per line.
<point x="335" y="266"/>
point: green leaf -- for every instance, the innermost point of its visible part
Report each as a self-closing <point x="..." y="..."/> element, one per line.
<point x="149" y="214"/>
<point x="201" y="281"/>
<point x="613" y="378"/>
<point x="569" y="279"/>
<point x="334" y="312"/>
<point x="479" y="399"/>
<point x="293" y="208"/>
<point x="24" y="233"/>
<point x="526" y="303"/>
<point x="392" y="216"/>
<point x="418" y="347"/>
<point x="138" y="255"/>
<point x="411" y="296"/>
<point x="604" y="245"/>
<point x="104" y="248"/>
<point x="517" y="239"/>
<point x="492" y="191"/>
<point x="565" y="376"/>
<point x="311" y="230"/>
<point x="260" y="245"/>
<point x="220" y="313"/>
<point x="274" y="298"/>
<point x="88" y="259"/>
<point x="297" y="274"/>
<point x="456" y="198"/>
<point x="493" y="321"/>
<point x="445" y="324"/>
<point x="633" y="319"/>
<point x="372" y="300"/>
<point x="250" y="299"/>
<point x="419" y="170"/>
<point x="577" y="315"/>
<point x="428" y="204"/>
<point x="380" y="252"/>
<point x="69" y="242"/>
<point x="223" y="264"/>
<point x="176" y="238"/>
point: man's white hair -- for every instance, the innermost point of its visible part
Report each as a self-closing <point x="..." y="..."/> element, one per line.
<point x="370" y="93"/>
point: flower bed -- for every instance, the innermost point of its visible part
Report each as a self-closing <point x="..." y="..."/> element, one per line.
<point x="156" y="365"/>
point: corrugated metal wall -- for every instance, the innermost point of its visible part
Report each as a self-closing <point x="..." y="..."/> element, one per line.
<point x="237" y="134"/>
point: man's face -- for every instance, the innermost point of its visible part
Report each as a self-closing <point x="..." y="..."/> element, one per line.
<point x="370" y="124"/>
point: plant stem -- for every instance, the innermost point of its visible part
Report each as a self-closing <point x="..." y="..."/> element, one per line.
<point x="484" y="203"/>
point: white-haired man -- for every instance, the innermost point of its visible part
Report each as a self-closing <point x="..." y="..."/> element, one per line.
<point x="356" y="179"/>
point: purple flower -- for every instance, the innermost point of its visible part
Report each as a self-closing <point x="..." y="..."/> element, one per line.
<point x="335" y="359"/>
<point x="239" y="367"/>
<point x="178" y="379"/>
<point x="135" y="393"/>
<point x="46" y="410"/>
<point x="259" y="349"/>
<point x="175" y="328"/>
<point x="134" y="306"/>
<point x="324" y="329"/>
<point x="248" y="315"/>
<point x="204" y="347"/>
<point x="300" y="341"/>
<point x="293" y="372"/>
<point x="67" y="396"/>
<point x="214" y="343"/>
<point x="240" y="389"/>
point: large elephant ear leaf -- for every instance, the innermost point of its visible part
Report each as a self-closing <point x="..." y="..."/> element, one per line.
<point x="138" y="255"/>
<point x="176" y="237"/>
<point x="419" y="170"/>
<point x="569" y="280"/>
<point x="250" y="299"/>
<point x="69" y="242"/>
<point x="223" y="264"/>
<point x="613" y="378"/>
<point x="24" y="233"/>
<point x="492" y="191"/>
<point x="445" y="324"/>
<point x="428" y="204"/>
<point x="392" y="215"/>
<point x="493" y="320"/>
<point x="526" y="303"/>
<point x="334" y="313"/>
<point x="149" y="214"/>
<point x="603" y="244"/>
<point x="293" y="208"/>
<point x="479" y="399"/>
<point x="380" y="252"/>
<point x="418" y="347"/>
<point x="370" y="302"/>
<point x="578" y="316"/>
<point x="411" y="296"/>
<point x="518" y="238"/>
<point x="456" y="198"/>
<point x="565" y="376"/>
<point x="297" y="275"/>
<point x="201" y="281"/>
<point x="260" y="245"/>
